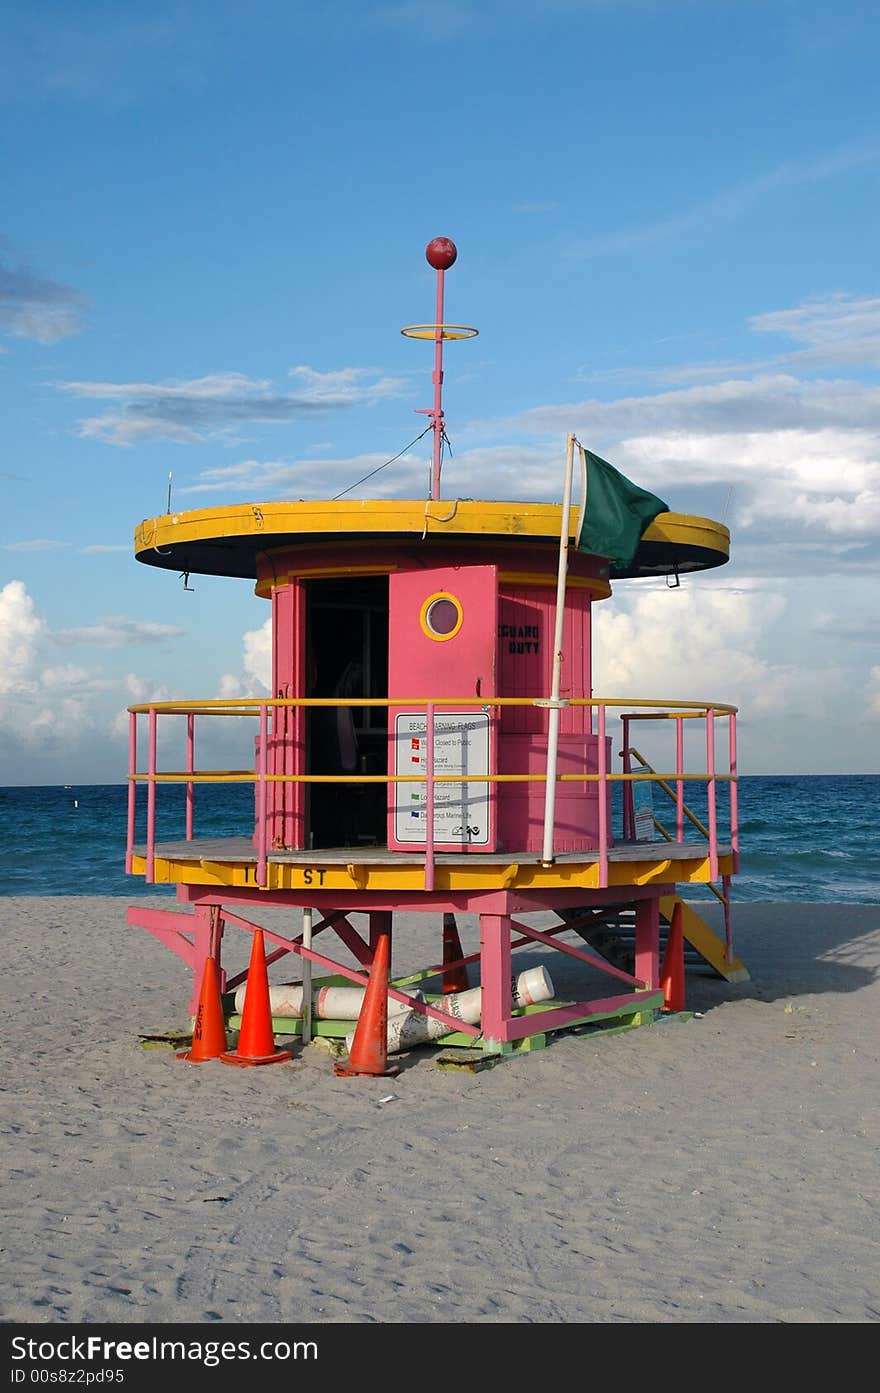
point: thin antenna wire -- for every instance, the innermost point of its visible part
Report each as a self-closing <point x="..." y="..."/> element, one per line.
<point x="726" y="502"/>
<point x="168" y="507"/>
<point x="381" y="466"/>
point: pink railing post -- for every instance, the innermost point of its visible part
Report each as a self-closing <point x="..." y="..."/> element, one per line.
<point x="734" y="795"/>
<point x="262" y="867"/>
<point x="602" y="769"/>
<point x="132" y="788"/>
<point x="429" y="796"/>
<point x="679" y="783"/>
<point x="190" y="767"/>
<point x="710" y="793"/>
<point x="151" y="798"/>
<point x="629" y="830"/>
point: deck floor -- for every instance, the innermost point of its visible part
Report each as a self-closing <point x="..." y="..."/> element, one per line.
<point x="241" y="851"/>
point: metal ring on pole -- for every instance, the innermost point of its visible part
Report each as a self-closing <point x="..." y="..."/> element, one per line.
<point x="447" y="331"/>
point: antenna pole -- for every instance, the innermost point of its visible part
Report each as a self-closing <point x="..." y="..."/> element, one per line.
<point x="440" y="253"/>
<point x="437" y="378"/>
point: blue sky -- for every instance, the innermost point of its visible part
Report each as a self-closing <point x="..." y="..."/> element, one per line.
<point x="213" y="226"/>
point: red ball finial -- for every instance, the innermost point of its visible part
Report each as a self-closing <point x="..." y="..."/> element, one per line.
<point x="441" y="253"/>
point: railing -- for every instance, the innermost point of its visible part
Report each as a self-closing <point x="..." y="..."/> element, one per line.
<point x="649" y="710"/>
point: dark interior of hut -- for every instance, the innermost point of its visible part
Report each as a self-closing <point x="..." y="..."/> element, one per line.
<point x="347" y="628"/>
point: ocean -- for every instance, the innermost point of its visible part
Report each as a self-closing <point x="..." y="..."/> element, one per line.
<point x="810" y="838"/>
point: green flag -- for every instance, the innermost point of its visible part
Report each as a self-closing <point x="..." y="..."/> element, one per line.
<point x="615" y="511"/>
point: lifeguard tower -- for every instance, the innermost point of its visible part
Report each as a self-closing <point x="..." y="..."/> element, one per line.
<point x="432" y="744"/>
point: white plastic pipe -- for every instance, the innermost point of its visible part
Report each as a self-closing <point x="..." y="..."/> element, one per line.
<point x="328" y="1003"/>
<point x="407" y="1028"/>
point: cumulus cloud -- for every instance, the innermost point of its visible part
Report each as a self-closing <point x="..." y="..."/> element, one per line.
<point x="51" y="712"/>
<point x="715" y="645"/>
<point x="219" y="403"/>
<point x="21" y="628"/>
<point x="255" y="676"/>
<point x="46" y="708"/>
<point x="34" y="307"/>
<point x="667" y="644"/>
<point x="799" y="460"/>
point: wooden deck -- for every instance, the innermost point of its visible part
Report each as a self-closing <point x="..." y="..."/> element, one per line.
<point x="241" y="851"/>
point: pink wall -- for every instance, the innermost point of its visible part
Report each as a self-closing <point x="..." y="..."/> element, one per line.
<point x="504" y="646"/>
<point x="526" y="629"/>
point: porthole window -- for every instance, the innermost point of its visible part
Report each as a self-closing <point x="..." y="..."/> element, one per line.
<point x="441" y="616"/>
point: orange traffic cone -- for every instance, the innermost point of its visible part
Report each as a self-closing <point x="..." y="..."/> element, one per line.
<point x="209" y="1031"/>
<point x="455" y="979"/>
<point x="369" y="1047"/>
<point x="672" y="972"/>
<point x="256" y="1039"/>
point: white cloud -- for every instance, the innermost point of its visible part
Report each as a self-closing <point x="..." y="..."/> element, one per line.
<point x="690" y="644"/>
<point x="21" y="628"/>
<point x="827" y="480"/>
<point x="728" y="205"/>
<point x="117" y="631"/>
<point x="778" y="402"/>
<point x="32" y="307"/>
<point x="310" y="478"/>
<point x="37" y="544"/>
<point x="215" y="405"/>
<point x="255" y="677"/>
<point x="55" y="714"/>
<point x="837" y="330"/>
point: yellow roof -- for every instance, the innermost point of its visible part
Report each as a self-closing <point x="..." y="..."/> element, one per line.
<point x="226" y="541"/>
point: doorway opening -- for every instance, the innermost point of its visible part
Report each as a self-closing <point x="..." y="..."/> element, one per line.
<point x="347" y="632"/>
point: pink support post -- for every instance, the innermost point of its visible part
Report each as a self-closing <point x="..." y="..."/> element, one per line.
<point x="132" y="789"/>
<point x="495" y="975"/>
<point x="602" y="770"/>
<point x="151" y="798"/>
<point x="190" y="766"/>
<point x="679" y="783"/>
<point x="380" y="923"/>
<point x="734" y="795"/>
<point x="429" y="796"/>
<point x="262" y="868"/>
<point x="204" y="917"/>
<point x="710" y="794"/>
<point x="647" y="965"/>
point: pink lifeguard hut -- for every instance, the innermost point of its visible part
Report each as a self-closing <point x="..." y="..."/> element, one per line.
<point x="432" y="744"/>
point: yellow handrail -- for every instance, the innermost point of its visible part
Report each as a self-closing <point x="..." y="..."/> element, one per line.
<point x="719" y="895"/>
<point x="251" y="706"/>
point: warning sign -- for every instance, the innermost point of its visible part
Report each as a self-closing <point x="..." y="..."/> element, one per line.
<point x="461" y="810"/>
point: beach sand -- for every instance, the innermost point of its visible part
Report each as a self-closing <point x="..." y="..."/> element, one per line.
<point x="721" y="1169"/>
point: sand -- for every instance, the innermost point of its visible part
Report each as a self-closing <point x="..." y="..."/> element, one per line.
<point x="721" y="1169"/>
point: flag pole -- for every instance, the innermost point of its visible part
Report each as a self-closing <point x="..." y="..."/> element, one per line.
<point x="554" y="702"/>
